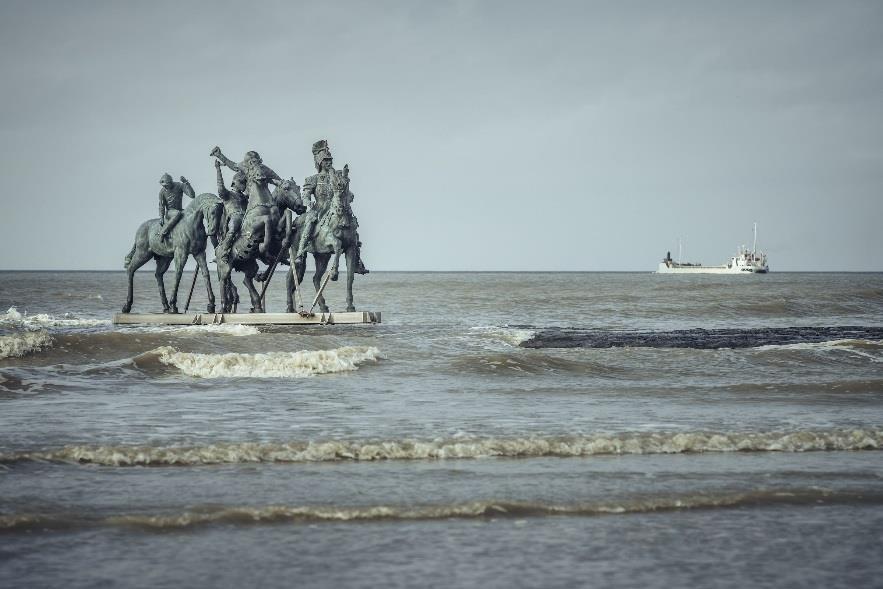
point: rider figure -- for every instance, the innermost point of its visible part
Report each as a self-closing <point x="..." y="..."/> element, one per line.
<point x="171" y="197"/>
<point x="320" y="186"/>
<point x="256" y="174"/>
<point x="235" y="202"/>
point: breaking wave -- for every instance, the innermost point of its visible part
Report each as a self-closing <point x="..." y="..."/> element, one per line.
<point x="23" y="343"/>
<point x="13" y="318"/>
<point x="512" y="336"/>
<point x="274" y="514"/>
<point x="261" y="365"/>
<point x="460" y="448"/>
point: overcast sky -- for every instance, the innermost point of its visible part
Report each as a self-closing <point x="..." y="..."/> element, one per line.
<point x="480" y="135"/>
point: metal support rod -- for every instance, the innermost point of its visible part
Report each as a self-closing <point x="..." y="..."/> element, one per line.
<point x="321" y="288"/>
<point x="192" y="286"/>
<point x="267" y="281"/>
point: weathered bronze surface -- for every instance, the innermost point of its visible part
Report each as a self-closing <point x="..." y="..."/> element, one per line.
<point x="248" y="224"/>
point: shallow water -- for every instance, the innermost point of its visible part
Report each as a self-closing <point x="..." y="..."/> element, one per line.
<point x="497" y="429"/>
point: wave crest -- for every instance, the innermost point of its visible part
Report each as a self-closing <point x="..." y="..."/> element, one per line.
<point x="13" y="318"/>
<point x="459" y="448"/>
<point x="273" y="514"/>
<point x="21" y="344"/>
<point x="263" y="365"/>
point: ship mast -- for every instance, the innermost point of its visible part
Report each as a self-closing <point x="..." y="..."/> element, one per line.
<point x="754" y="252"/>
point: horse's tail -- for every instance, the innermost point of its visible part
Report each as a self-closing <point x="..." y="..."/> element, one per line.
<point x="128" y="259"/>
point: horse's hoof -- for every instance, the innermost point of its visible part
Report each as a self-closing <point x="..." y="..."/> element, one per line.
<point x="210" y="309"/>
<point x="334" y="276"/>
<point x="325" y="309"/>
<point x="127" y="308"/>
<point x="351" y="309"/>
<point x="166" y="310"/>
<point x="289" y="309"/>
<point x="174" y="310"/>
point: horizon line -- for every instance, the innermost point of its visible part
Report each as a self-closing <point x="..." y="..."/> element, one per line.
<point x="640" y="271"/>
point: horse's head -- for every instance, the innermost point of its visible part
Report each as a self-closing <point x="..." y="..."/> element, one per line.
<point x="341" y="183"/>
<point x="213" y="217"/>
<point x="211" y="209"/>
<point x="287" y="196"/>
<point x="340" y="201"/>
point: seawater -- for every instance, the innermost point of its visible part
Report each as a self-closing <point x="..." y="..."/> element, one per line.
<point x="498" y="429"/>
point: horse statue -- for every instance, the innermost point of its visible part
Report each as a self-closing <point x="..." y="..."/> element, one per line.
<point x="335" y="234"/>
<point x="188" y="237"/>
<point x="265" y="235"/>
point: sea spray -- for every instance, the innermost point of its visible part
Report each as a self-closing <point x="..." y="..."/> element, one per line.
<point x="13" y="318"/>
<point x="23" y="343"/>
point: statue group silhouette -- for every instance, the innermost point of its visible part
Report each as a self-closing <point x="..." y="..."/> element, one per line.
<point x="246" y="223"/>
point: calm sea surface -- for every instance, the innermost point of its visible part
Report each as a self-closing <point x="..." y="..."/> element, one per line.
<point x="497" y="430"/>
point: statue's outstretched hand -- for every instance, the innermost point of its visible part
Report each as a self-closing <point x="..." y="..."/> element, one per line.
<point x="216" y="151"/>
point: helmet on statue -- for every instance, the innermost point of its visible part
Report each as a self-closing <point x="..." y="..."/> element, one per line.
<point x="321" y="152"/>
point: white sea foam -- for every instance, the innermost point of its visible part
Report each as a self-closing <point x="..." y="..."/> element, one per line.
<point x="870" y="349"/>
<point x="235" y="329"/>
<point x="23" y="343"/>
<point x="511" y="336"/>
<point x="463" y="448"/>
<point x="14" y="318"/>
<point x="839" y="344"/>
<point x="268" y="365"/>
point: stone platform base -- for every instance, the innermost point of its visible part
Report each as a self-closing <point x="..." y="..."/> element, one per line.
<point x="246" y="318"/>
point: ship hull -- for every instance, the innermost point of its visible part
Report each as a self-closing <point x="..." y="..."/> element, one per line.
<point x="663" y="269"/>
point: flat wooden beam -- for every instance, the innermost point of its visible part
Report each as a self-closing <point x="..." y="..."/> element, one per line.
<point x="357" y="317"/>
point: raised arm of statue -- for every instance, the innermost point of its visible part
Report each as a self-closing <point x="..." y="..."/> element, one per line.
<point x="162" y="207"/>
<point x="222" y="190"/>
<point x="188" y="190"/>
<point x="216" y="152"/>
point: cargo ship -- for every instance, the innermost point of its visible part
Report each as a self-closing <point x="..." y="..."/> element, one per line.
<point x="744" y="262"/>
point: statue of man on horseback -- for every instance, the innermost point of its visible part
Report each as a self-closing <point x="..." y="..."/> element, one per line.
<point x="171" y="197"/>
<point x="235" y="202"/>
<point x="321" y="187"/>
<point x="265" y="229"/>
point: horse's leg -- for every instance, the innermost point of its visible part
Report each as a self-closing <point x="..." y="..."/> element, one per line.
<point x="181" y="256"/>
<point x="295" y="273"/>
<point x="264" y="247"/>
<point x="162" y="264"/>
<point x="321" y="265"/>
<point x="250" y="272"/>
<point x="289" y="290"/>
<point x="139" y="258"/>
<point x="203" y="267"/>
<point x="352" y="255"/>
<point x="335" y="267"/>
<point x="224" y="280"/>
